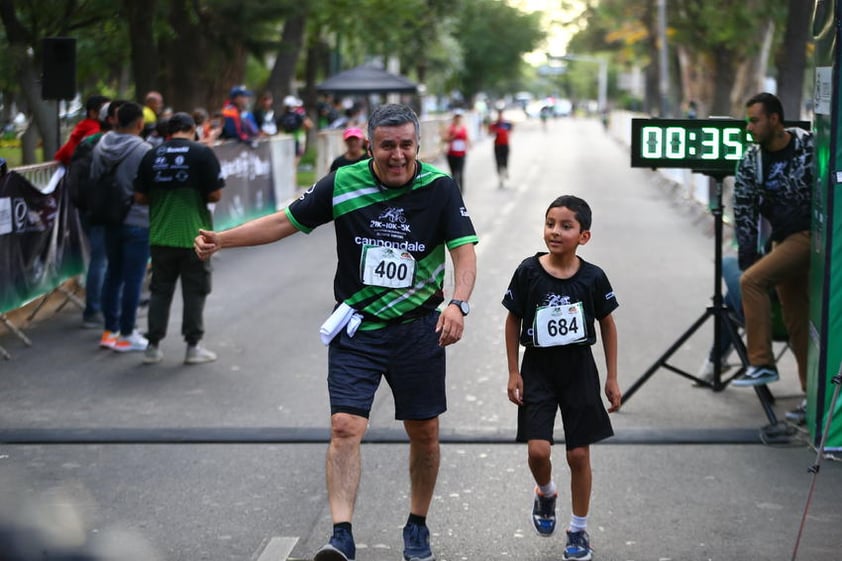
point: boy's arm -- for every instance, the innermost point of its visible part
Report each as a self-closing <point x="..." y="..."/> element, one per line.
<point x="515" y="385"/>
<point x="608" y="332"/>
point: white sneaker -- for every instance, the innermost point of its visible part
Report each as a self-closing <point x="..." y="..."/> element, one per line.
<point x="799" y="414"/>
<point x="152" y="355"/>
<point x="199" y="355"/>
<point x="133" y="342"/>
<point x="706" y="371"/>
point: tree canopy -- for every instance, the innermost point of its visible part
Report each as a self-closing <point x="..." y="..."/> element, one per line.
<point x="193" y="51"/>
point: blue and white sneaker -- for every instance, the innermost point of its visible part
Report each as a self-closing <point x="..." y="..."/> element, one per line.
<point x="340" y="547"/>
<point x="757" y="376"/>
<point x="543" y="514"/>
<point x="416" y="543"/>
<point x="578" y="547"/>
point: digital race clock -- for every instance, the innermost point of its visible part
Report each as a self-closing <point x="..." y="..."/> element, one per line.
<point x="706" y="145"/>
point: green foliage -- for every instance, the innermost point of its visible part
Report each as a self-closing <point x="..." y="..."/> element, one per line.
<point x="494" y="37"/>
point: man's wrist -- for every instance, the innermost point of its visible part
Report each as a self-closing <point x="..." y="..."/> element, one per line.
<point x="462" y="305"/>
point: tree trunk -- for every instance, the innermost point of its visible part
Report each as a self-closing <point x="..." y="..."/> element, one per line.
<point x="44" y="119"/>
<point x="725" y="72"/>
<point x="182" y="77"/>
<point x="652" y="98"/>
<point x="283" y="72"/>
<point x="751" y="73"/>
<point x="792" y="60"/>
<point x="696" y="80"/>
<point x="144" y="51"/>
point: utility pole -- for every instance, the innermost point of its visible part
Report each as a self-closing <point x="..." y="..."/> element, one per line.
<point x="663" y="59"/>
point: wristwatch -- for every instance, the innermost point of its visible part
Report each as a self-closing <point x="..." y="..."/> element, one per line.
<point x="464" y="307"/>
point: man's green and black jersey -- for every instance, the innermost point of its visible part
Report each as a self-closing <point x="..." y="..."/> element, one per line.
<point x="423" y="217"/>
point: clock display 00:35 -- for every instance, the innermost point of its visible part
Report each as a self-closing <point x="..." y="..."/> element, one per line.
<point x="704" y="144"/>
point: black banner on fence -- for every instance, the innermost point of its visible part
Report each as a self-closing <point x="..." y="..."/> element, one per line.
<point x="249" y="188"/>
<point x="40" y="241"/>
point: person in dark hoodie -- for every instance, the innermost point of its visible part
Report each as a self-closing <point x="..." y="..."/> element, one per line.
<point x="127" y="244"/>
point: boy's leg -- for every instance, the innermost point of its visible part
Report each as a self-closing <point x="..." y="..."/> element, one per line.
<point x="540" y="461"/>
<point x="546" y="494"/>
<point x="579" y="460"/>
<point x="578" y="543"/>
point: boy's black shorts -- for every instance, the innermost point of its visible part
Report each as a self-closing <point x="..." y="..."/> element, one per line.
<point x="563" y="378"/>
<point x="408" y="355"/>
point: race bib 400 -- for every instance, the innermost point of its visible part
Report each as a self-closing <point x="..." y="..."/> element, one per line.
<point x="387" y="267"/>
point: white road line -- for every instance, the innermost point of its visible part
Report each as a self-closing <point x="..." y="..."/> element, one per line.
<point x="278" y="549"/>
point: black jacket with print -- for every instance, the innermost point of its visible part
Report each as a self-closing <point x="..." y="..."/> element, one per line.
<point x="784" y="198"/>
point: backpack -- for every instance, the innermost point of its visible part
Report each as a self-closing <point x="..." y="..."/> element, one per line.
<point x="79" y="171"/>
<point x="290" y="121"/>
<point x="105" y="200"/>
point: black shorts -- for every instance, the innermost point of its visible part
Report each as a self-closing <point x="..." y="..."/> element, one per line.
<point x="408" y="355"/>
<point x="562" y="378"/>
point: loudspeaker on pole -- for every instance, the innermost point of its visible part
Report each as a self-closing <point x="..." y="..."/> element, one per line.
<point x="58" y="79"/>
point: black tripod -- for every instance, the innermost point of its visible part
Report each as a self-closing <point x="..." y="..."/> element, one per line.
<point x="722" y="320"/>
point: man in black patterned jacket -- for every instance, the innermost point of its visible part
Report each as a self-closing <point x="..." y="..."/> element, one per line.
<point x="773" y="200"/>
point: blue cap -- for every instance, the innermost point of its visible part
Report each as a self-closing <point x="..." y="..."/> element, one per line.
<point x="238" y="91"/>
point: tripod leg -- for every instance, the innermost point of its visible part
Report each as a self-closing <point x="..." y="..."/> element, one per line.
<point x="763" y="393"/>
<point x="664" y="357"/>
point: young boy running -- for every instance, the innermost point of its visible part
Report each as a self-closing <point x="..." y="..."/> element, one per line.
<point x="553" y="300"/>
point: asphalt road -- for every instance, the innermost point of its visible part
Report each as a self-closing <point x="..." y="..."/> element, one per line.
<point x="224" y="461"/>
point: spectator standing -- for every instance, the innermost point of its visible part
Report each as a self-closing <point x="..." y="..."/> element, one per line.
<point x="553" y="301"/>
<point x="355" y="142"/>
<point x="127" y="244"/>
<point x="294" y="121"/>
<point x="177" y="180"/>
<point x="89" y="125"/>
<point x="390" y="326"/>
<point x="264" y="115"/>
<point x="207" y="129"/>
<point x="458" y="143"/>
<point x="153" y="105"/>
<point x="79" y="172"/>
<point x="774" y="183"/>
<point x="501" y="129"/>
<point x="237" y="123"/>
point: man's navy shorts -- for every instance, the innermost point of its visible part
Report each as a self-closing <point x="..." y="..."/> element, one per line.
<point x="408" y="355"/>
<point x="562" y="378"/>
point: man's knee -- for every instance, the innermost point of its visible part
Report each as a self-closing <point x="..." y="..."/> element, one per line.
<point x="345" y="426"/>
<point x="423" y="433"/>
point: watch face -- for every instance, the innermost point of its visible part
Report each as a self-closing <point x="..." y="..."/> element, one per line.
<point x="464" y="307"/>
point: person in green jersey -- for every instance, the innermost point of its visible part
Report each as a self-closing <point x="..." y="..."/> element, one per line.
<point x="177" y="180"/>
<point x="394" y="217"/>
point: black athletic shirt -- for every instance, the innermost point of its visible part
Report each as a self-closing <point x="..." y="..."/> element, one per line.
<point x="532" y="287"/>
<point x="422" y="218"/>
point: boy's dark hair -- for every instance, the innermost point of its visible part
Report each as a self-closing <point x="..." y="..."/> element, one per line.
<point x="128" y="113"/>
<point x="578" y="206"/>
<point x="95" y="102"/>
<point x="771" y="104"/>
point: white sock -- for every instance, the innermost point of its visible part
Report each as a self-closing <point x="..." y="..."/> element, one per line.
<point x="547" y="490"/>
<point x="578" y="523"/>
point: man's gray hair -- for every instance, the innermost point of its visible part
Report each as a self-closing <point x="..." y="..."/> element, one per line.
<point x="393" y="115"/>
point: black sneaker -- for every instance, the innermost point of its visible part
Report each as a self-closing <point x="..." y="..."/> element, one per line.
<point x="578" y="547"/>
<point x="799" y="414"/>
<point x="416" y="543"/>
<point x="543" y="514"/>
<point x="757" y="376"/>
<point x="340" y="547"/>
